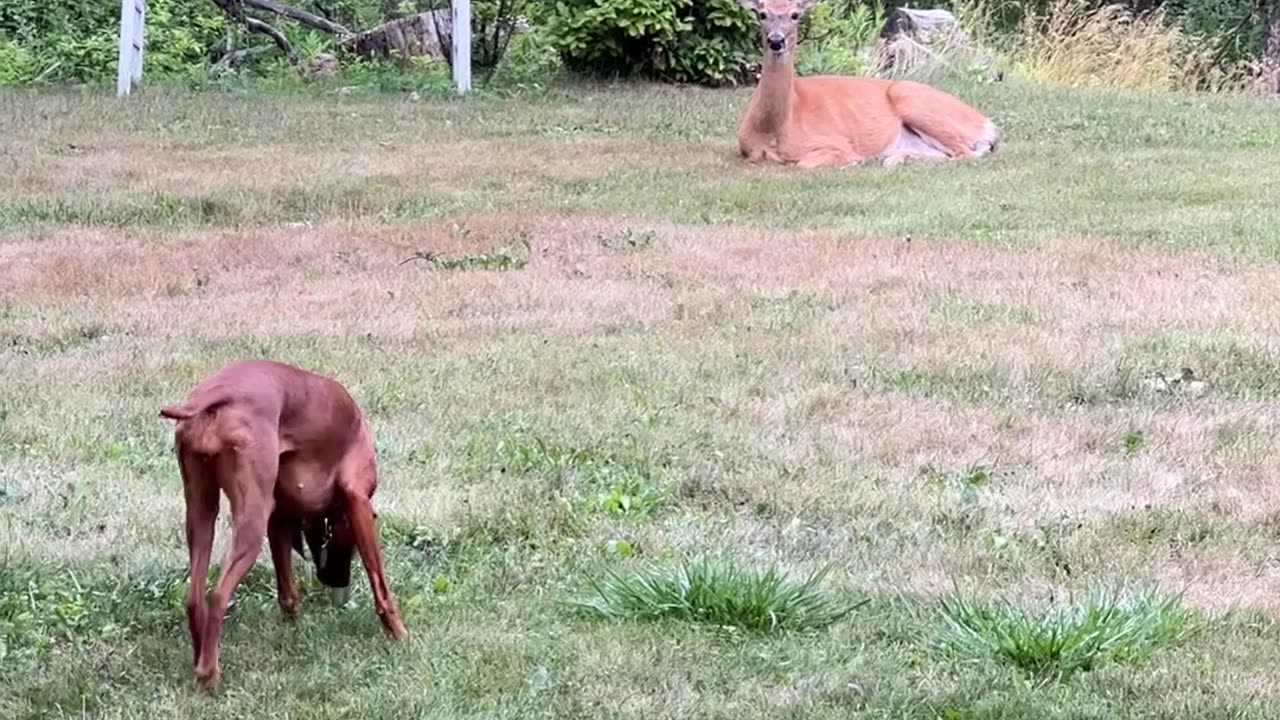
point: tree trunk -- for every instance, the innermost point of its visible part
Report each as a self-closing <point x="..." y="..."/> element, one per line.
<point x="427" y="33"/>
<point x="1271" y="51"/>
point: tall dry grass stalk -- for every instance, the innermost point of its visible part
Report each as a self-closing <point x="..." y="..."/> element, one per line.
<point x="1074" y="45"/>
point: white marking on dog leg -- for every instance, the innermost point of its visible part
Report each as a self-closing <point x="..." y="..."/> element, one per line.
<point x="338" y="597"/>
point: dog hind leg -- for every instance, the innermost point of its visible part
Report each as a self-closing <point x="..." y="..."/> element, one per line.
<point x="201" y="492"/>
<point x="251" y="470"/>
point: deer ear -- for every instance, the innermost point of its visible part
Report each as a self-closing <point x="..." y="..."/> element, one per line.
<point x="752" y="5"/>
<point x="804" y="5"/>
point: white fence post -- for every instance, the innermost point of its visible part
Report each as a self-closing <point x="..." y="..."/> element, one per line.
<point x="462" y="45"/>
<point x="133" y="20"/>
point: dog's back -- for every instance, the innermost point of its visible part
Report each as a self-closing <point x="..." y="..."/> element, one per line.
<point x="245" y="396"/>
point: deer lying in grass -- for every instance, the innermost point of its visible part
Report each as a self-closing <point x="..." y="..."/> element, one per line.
<point x="841" y="120"/>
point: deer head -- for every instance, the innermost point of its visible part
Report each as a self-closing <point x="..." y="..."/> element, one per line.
<point x="778" y="21"/>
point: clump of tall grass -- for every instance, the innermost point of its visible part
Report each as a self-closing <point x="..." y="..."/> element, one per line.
<point x="718" y="591"/>
<point x="1057" y="641"/>
<point x="1076" y="44"/>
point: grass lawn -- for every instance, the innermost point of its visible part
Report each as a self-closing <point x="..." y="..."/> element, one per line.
<point x="593" y="345"/>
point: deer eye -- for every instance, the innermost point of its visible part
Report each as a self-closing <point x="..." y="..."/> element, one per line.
<point x="795" y="16"/>
<point x="763" y="16"/>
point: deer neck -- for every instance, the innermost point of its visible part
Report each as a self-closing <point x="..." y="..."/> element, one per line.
<point x="773" y="93"/>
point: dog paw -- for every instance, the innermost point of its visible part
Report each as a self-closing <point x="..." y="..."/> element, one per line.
<point x="207" y="680"/>
<point x="289" y="607"/>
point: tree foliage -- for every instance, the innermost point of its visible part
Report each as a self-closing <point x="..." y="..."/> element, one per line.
<point x="706" y="42"/>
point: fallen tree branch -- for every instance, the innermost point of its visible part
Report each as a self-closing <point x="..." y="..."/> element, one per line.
<point x="258" y="26"/>
<point x="302" y="16"/>
<point x="236" y="58"/>
<point x="235" y="9"/>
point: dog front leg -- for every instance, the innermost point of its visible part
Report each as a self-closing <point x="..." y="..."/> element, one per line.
<point x="281" y="531"/>
<point x="360" y="515"/>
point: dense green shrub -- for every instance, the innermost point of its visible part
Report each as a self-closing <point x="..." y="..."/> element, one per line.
<point x="706" y="42"/>
<point x="77" y="40"/>
<point x="529" y="61"/>
<point x="493" y="26"/>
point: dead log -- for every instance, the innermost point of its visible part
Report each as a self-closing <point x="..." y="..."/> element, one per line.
<point x="425" y="34"/>
<point x="922" y="24"/>
<point x="915" y="40"/>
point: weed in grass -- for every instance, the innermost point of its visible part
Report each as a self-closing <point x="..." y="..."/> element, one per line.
<point x="627" y="484"/>
<point x="480" y="261"/>
<point x="629" y="240"/>
<point x="630" y="497"/>
<point x="46" y="345"/>
<point x="618" y="548"/>
<point x="1058" y="641"/>
<point x="1133" y="441"/>
<point x="717" y="591"/>
<point x="50" y="609"/>
<point x="965" y="482"/>
<point x="1172" y="528"/>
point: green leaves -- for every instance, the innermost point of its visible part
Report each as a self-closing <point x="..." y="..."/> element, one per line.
<point x="696" y="42"/>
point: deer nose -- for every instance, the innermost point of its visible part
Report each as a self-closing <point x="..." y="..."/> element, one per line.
<point x="776" y="41"/>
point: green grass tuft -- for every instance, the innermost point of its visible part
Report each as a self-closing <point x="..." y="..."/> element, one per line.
<point x="1060" y="640"/>
<point x="718" y="591"/>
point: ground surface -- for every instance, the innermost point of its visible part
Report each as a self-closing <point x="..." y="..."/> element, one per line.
<point x="931" y="377"/>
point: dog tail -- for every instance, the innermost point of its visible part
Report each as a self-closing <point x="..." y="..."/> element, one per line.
<point x="194" y="407"/>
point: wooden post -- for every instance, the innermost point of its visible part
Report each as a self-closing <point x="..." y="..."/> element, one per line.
<point x="462" y="45"/>
<point x="133" y="20"/>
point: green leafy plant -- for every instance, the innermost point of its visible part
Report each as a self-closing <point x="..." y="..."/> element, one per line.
<point x="717" y="591"/>
<point x="529" y="62"/>
<point x="966" y="482"/>
<point x="696" y="42"/>
<point x="17" y="64"/>
<point x="479" y="261"/>
<point x="836" y="38"/>
<point x="630" y="496"/>
<point x="1060" y="640"/>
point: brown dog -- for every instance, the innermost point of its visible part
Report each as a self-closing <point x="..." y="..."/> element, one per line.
<point x="295" y="458"/>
